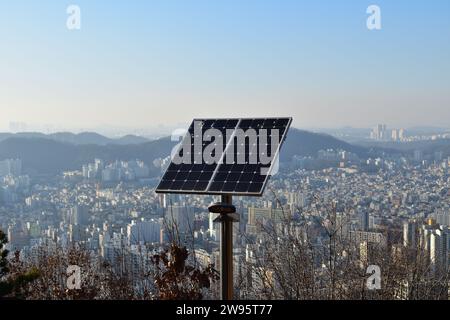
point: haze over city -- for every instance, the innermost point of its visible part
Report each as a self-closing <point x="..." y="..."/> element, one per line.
<point x="159" y="62"/>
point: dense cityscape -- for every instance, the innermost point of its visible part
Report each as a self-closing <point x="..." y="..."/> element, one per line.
<point x="392" y="203"/>
<point x="224" y="158"/>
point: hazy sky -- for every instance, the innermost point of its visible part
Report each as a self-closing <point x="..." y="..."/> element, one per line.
<point x="143" y="63"/>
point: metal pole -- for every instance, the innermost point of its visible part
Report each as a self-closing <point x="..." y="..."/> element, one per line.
<point x="226" y="246"/>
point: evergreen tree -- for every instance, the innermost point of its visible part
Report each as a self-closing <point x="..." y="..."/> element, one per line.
<point x="5" y="287"/>
<point x="10" y="286"/>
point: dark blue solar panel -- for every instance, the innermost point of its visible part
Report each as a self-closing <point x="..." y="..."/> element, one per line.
<point x="239" y="170"/>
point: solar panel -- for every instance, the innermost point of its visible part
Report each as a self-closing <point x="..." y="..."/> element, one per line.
<point x="226" y="156"/>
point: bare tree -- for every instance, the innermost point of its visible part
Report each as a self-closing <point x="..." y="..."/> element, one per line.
<point x="289" y="263"/>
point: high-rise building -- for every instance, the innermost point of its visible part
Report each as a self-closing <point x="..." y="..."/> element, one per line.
<point x="180" y="217"/>
<point x="144" y="232"/>
<point x="99" y="164"/>
<point x="364" y="220"/>
<point x="410" y="234"/>
<point x="79" y="215"/>
<point x="442" y="217"/>
<point x="296" y="199"/>
<point x="77" y="233"/>
<point x="425" y="234"/>
<point x="438" y="250"/>
<point x="369" y="237"/>
<point x="379" y="132"/>
<point x="111" y="174"/>
<point x="18" y="236"/>
<point x="213" y="228"/>
<point x="258" y="215"/>
<point x="139" y="169"/>
<point x="395" y="135"/>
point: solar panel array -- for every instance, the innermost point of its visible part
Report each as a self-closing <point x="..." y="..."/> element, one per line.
<point x="224" y="176"/>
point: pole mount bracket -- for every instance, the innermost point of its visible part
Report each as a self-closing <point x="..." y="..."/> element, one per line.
<point x="222" y="208"/>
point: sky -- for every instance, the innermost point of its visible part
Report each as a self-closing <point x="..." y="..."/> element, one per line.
<point x="162" y="62"/>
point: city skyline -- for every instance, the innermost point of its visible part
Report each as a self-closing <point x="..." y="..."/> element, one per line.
<point x="185" y="150"/>
<point x="317" y="62"/>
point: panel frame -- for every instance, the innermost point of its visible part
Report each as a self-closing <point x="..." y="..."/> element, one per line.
<point x="234" y="193"/>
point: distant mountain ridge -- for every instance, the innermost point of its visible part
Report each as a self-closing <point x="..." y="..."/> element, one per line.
<point x="83" y="138"/>
<point x="47" y="156"/>
<point x="50" y="155"/>
<point x="306" y="143"/>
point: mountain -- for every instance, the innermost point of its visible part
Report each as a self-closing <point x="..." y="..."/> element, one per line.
<point x="49" y="156"/>
<point x="83" y="138"/>
<point x="426" y="146"/>
<point x="131" y="139"/>
<point x="305" y="143"/>
<point x="4" y="136"/>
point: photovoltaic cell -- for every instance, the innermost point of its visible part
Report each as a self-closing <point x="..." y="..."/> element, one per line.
<point x="234" y="177"/>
